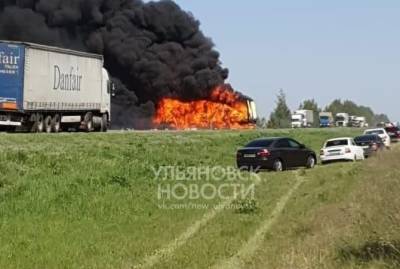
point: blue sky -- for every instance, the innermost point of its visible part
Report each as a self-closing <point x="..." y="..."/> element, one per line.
<point x="311" y="49"/>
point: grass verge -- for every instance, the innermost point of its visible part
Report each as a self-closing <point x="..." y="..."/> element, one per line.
<point x="90" y="200"/>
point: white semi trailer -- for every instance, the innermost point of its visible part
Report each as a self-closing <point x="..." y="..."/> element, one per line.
<point x="48" y="89"/>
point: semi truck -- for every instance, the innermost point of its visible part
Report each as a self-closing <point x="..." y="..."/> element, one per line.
<point x="359" y="122"/>
<point x="302" y="118"/>
<point x="49" y="89"/>
<point x="342" y="119"/>
<point x="326" y="119"/>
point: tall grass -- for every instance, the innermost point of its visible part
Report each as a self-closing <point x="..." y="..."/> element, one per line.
<point x="348" y="218"/>
<point x="90" y="200"/>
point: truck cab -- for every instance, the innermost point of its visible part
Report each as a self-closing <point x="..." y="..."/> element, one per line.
<point x="359" y="122"/>
<point x="342" y="119"/>
<point x="252" y="111"/>
<point x="11" y="83"/>
<point x="302" y="118"/>
<point x="325" y="119"/>
<point x="297" y="120"/>
<point x="108" y="90"/>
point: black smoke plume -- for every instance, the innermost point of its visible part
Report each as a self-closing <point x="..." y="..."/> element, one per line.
<point x="153" y="50"/>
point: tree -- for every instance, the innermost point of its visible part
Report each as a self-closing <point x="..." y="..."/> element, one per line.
<point x="280" y="117"/>
<point x="381" y="118"/>
<point x="311" y="104"/>
<point x="261" y="123"/>
<point x="335" y="107"/>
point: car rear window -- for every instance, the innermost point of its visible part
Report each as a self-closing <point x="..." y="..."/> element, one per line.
<point x="335" y="143"/>
<point x="366" y="138"/>
<point x="260" y="143"/>
<point x="377" y="132"/>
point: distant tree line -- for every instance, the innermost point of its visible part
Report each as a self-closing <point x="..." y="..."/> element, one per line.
<point x="352" y="108"/>
<point x="281" y="116"/>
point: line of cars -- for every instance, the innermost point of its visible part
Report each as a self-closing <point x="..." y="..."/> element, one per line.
<point x="281" y="153"/>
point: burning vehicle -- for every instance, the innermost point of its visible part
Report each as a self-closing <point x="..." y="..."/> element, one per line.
<point x="166" y="72"/>
<point x="224" y="109"/>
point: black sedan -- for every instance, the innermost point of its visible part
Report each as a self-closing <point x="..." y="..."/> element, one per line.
<point x="275" y="154"/>
<point x="370" y="143"/>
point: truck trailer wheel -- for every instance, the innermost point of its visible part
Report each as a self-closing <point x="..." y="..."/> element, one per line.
<point x="56" y="123"/>
<point x="48" y="124"/>
<point x="104" y="123"/>
<point x="37" y="124"/>
<point x="88" y="122"/>
<point x="32" y="124"/>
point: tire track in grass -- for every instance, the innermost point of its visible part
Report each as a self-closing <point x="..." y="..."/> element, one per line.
<point x="246" y="251"/>
<point x="166" y="251"/>
<point x="171" y="247"/>
<point x="256" y="240"/>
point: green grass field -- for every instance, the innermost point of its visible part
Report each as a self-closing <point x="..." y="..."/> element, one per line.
<point x="91" y="201"/>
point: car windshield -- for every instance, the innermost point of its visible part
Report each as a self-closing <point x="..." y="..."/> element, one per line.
<point x="335" y="143"/>
<point x="260" y="143"/>
<point x="365" y="138"/>
<point x="295" y="120"/>
<point x="324" y="118"/>
<point x="376" y="132"/>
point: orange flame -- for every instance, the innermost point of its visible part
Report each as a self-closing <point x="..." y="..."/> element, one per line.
<point x="224" y="110"/>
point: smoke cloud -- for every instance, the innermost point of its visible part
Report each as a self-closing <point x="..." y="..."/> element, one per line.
<point x="153" y="50"/>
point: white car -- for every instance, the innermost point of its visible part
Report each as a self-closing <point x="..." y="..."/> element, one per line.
<point x="341" y="149"/>
<point x="382" y="134"/>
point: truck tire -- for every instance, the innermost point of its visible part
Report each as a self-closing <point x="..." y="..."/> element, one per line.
<point x="56" y="123"/>
<point x="88" y="122"/>
<point x="104" y="123"/>
<point x="32" y="123"/>
<point x="37" y="124"/>
<point x="48" y="124"/>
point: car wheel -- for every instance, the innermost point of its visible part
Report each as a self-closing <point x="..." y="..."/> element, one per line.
<point x="278" y="165"/>
<point x="311" y="162"/>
